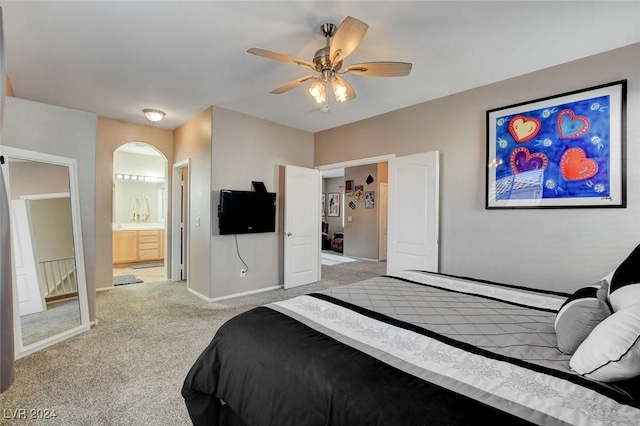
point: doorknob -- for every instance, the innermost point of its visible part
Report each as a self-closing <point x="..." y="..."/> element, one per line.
<point x="289" y="234"/>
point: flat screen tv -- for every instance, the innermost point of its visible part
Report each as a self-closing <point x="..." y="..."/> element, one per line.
<point x="246" y="212"/>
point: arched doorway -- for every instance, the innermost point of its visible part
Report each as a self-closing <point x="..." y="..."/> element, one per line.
<point x="139" y="214"/>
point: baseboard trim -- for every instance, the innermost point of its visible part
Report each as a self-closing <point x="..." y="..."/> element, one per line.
<point x="200" y="295"/>
<point x="235" y="295"/>
<point x="361" y="258"/>
<point x="105" y="288"/>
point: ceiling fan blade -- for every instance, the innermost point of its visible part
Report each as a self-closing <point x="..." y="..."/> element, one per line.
<point x="347" y="37"/>
<point x="281" y="57"/>
<point x="292" y="84"/>
<point x="380" y="69"/>
<point x="351" y="94"/>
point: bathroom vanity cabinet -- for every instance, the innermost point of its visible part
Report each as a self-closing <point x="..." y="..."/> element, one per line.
<point x="137" y="246"/>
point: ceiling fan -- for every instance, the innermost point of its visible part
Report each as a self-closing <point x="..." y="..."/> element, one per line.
<point x="327" y="63"/>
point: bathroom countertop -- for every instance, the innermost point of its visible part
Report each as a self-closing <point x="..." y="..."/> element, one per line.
<point x="137" y="226"/>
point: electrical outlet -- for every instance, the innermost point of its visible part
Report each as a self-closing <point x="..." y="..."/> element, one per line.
<point x="243" y="273"/>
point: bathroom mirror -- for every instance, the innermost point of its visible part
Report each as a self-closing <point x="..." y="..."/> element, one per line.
<point x="49" y="283"/>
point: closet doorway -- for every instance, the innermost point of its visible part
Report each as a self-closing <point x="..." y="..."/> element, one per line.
<point x="139" y="214"/>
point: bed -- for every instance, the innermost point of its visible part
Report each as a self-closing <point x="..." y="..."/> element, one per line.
<point x="414" y="348"/>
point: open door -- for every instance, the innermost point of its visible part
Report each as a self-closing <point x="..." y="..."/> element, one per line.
<point x="302" y="187"/>
<point x="30" y="299"/>
<point x="414" y="194"/>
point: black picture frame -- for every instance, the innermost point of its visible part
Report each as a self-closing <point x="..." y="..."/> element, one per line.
<point x="562" y="151"/>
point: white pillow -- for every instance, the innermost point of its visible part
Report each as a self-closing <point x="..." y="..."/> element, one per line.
<point x="608" y="277"/>
<point x="612" y="351"/>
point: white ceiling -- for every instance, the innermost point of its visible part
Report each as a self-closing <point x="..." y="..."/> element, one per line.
<point x="116" y="58"/>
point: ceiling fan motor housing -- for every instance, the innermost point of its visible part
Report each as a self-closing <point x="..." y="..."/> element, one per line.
<point x="322" y="61"/>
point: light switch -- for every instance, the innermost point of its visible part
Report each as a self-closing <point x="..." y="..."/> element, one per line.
<point x="197" y="221"/>
<point x="349" y="218"/>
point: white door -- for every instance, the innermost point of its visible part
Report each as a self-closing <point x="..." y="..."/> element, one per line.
<point x="30" y="300"/>
<point x="413" y="213"/>
<point x="301" y="226"/>
<point x="383" y="199"/>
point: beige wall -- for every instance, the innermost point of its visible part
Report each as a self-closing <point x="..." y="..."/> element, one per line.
<point x="111" y="134"/>
<point x="249" y="149"/>
<point x="193" y="142"/>
<point x="51" y="228"/>
<point x="361" y="233"/>
<point x="32" y="177"/>
<point x="228" y="150"/>
<point x="559" y="249"/>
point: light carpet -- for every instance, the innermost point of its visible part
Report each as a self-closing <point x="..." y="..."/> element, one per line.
<point x="129" y="369"/>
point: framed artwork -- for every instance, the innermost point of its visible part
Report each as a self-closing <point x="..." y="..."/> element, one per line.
<point x="369" y="199"/>
<point x="359" y="193"/>
<point x="348" y="187"/>
<point x="562" y="151"/>
<point x="334" y="204"/>
<point x="323" y="206"/>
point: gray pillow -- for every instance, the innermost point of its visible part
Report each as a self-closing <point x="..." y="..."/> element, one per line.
<point x="580" y="314"/>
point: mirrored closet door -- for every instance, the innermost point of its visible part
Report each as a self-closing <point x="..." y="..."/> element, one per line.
<point x="49" y="283"/>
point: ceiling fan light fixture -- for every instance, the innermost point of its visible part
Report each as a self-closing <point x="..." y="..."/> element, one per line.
<point x="339" y="89"/>
<point x="318" y="91"/>
<point x="154" y="115"/>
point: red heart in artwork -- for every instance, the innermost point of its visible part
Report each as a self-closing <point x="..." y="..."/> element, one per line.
<point x="575" y="165"/>
<point x="523" y="129"/>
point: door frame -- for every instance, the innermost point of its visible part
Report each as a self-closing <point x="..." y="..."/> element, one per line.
<point x="166" y="209"/>
<point x="175" y="220"/>
<point x="384" y="201"/>
<point x="353" y="163"/>
<point x="358" y="162"/>
<point x="361" y="162"/>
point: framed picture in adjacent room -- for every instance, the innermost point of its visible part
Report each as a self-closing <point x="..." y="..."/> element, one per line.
<point x="323" y="205"/>
<point x="334" y="204"/>
<point x="369" y="199"/>
<point x="348" y="188"/>
<point x="359" y="193"/>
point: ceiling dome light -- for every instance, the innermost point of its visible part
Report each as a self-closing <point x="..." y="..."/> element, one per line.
<point x="154" y="115"/>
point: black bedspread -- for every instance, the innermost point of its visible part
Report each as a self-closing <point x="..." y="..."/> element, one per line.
<point x="273" y="370"/>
